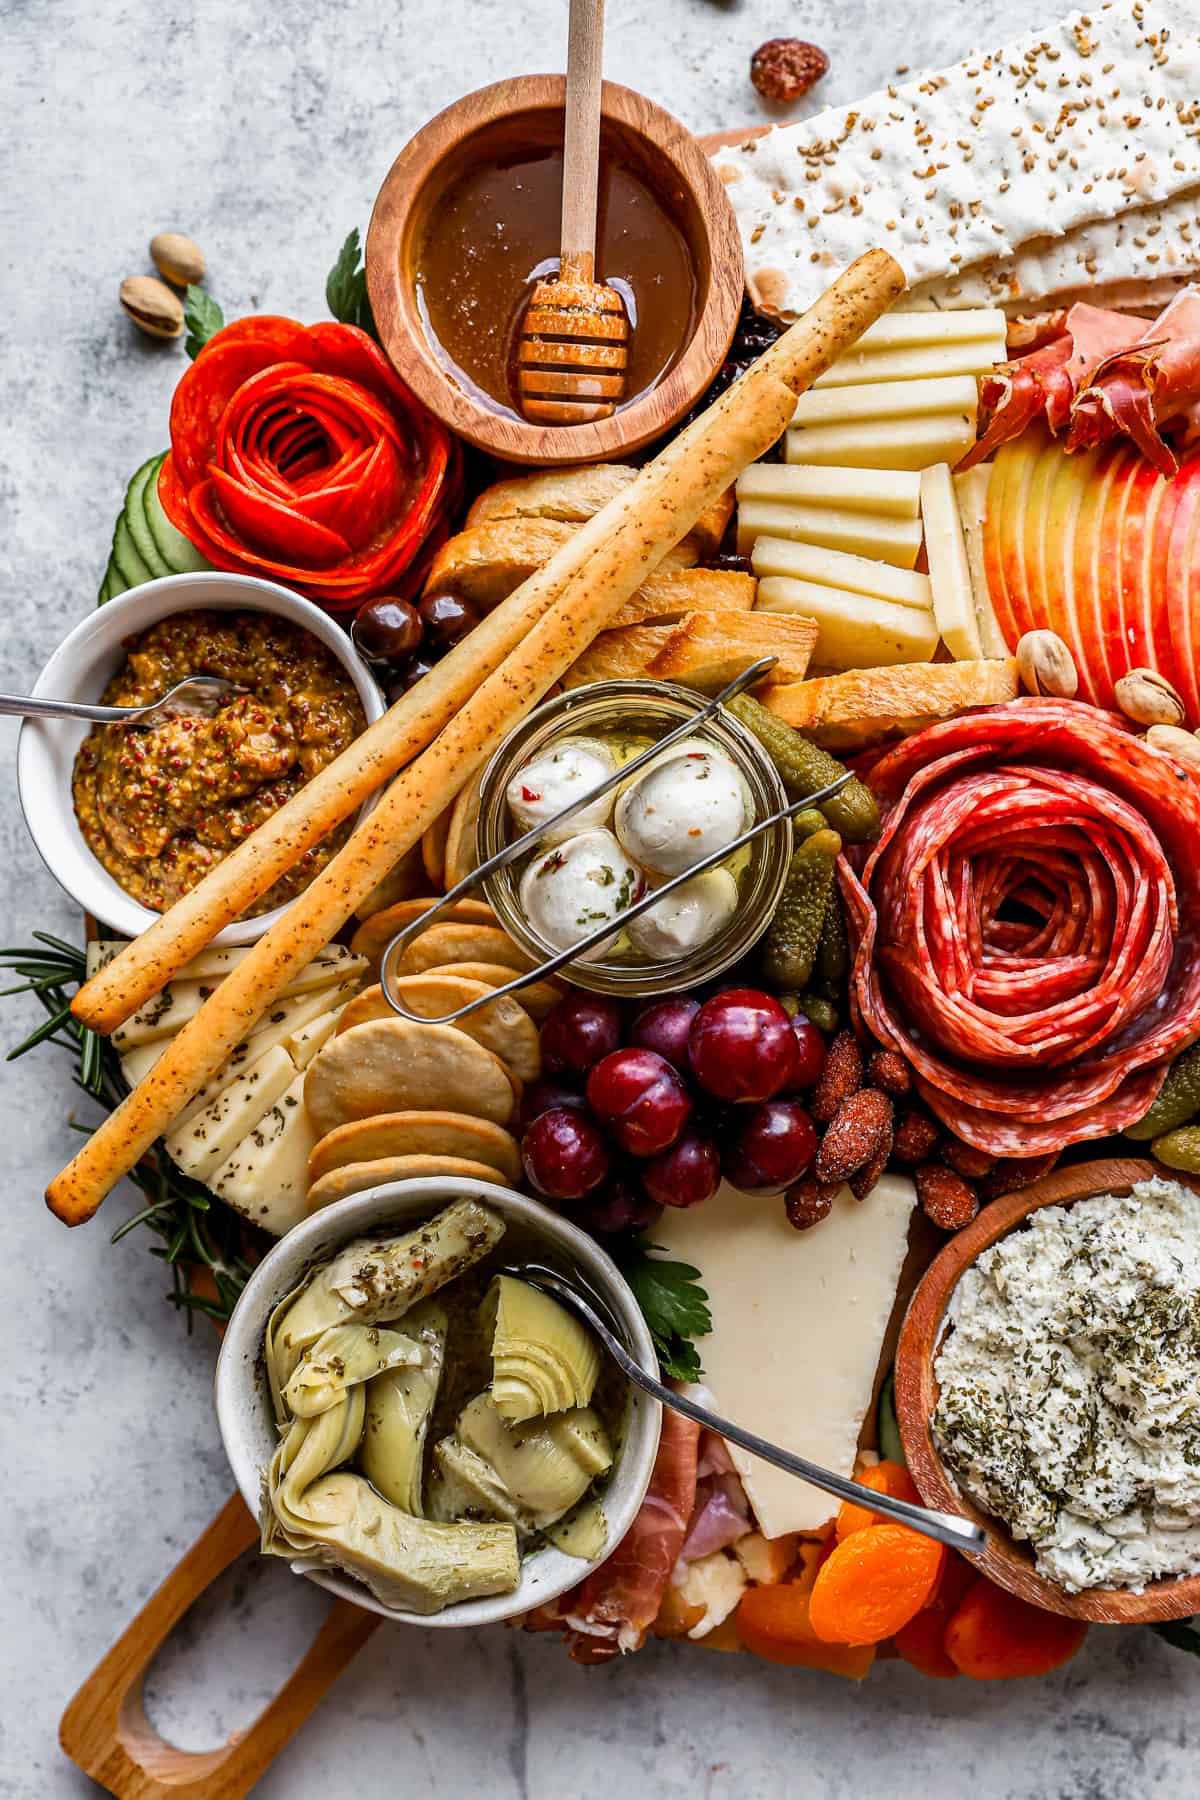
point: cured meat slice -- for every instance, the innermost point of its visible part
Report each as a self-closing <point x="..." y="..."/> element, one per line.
<point x="1027" y="928"/>
<point x="1140" y="389"/>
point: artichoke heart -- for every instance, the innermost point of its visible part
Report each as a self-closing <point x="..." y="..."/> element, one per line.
<point x="343" y="1357"/>
<point x="543" y="1359"/>
<point x="375" y="1280"/>
<point x="536" y="1470"/>
<point x="406" y="1562"/>
<point x="311" y="1448"/>
<point x="399" y="1405"/>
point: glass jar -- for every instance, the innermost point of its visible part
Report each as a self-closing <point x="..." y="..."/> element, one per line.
<point x="638" y="709"/>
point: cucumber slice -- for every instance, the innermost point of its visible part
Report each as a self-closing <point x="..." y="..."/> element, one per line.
<point x="114" y="583"/>
<point x="135" y="518"/>
<point x="180" y="556"/>
<point x="125" y="555"/>
<point x="890" y="1445"/>
<point x="105" y="587"/>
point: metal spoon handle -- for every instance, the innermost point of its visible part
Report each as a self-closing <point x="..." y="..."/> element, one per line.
<point x="945" y="1528"/>
<point x="26" y="706"/>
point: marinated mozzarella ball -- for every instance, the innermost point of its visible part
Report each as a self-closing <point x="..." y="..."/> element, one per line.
<point x="559" y="774"/>
<point x="572" y="890"/>
<point x="682" y="810"/>
<point x="687" y="919"/>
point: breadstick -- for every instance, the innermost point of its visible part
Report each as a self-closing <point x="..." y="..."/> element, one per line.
<point x="661" y="506"/>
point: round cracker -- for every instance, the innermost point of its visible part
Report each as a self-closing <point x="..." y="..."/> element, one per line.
<point x="375" y="934"/>
<point x="394" y="1065"/>
<point x="462" y="854"/>
<point x="460" y="943"/>
<point x="417" y="1134"/>
<point x="538" y="999"/>
<point x="354" y="1177"/>
<point x="503" y="1026"/>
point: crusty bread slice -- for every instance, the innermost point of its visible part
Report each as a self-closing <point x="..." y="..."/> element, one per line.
<point x="704" y="650"/>
<point x="575" y="494"/>
<point x="868" y="706"/>
<point x="676" y="592"/>
<point x="485" y="563"/>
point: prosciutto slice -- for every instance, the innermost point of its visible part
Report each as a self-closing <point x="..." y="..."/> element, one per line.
<point x="1044" y="382"/>
<point x="1026" y="928"/>
<point x="1140" y="389"/>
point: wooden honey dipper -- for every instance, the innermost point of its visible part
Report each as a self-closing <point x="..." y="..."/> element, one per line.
<point x="573" y="350"/>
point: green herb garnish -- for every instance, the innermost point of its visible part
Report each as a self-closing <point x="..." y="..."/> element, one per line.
<point x="673" y="1304"/>
<point x="346" y="288"/>
<point x="203" y="318"/>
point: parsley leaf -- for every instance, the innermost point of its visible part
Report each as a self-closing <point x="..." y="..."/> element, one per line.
<point x="203" y="318"/>
<point x="1181" y="1633"/>
<point x="346" y="288"/>
<point x="673" y="1303"/>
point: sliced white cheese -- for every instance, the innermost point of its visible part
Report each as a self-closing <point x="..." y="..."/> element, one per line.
<point x="303" y="1043"/>
<point x="137" y="1063"/>
<point x="289" y="1016"/>
<point x="834" y="568"/>
<point x="887" y="400"/>
<point x="715" y="1582"/>
<point x="892" y="493"/>
<point x="798" y="1325"/>
<point x="899" y="330"/>
<point x="266" y="1175"/>
<point x="181" y="1000"/>
<point x="974" y="357"/>
<point x="100" y="952"/>
<point x="215" y="962"/>
<point x="949" y="576"/>
<point x="895" y="541"/>
<point x="971" y="491"/>
<point x="885" y="443"/>
<point x="244" y="1058"/>
<point x="202" y="1145"/>
<point x="854" y="631"/>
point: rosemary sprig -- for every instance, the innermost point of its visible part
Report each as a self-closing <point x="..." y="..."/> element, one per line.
<point x="198" y="1234"/>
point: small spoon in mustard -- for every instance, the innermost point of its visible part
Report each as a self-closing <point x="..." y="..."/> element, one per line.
<point x="200" y="695"/>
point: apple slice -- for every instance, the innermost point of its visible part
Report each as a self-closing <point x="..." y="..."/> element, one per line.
<point x="1029" y="609"/>
<point x="1142" y="499"/>
<point x="1096" y="583"/>
<point x="1112" y="623"/>
<point x="1183" y="588"/>
<point x="1011" y="508"/>
<point x="1050" y="562"/>
<point x="994" y="510"/>
<point x="1155" y="573"/>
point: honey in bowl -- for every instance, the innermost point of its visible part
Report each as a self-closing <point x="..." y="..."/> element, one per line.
<point x="494" y="234"/>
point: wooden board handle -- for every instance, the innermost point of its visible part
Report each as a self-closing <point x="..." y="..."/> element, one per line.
<point x="105" y="1729"/>
<point x="581" y="148"/>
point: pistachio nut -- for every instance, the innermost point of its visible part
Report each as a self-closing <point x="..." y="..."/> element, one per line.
<point x="176" y="258"/>
<point x="1184" y="746"/>
<point x="1046" y="665"/>
<point x="1148" y="698"/>
<point x="152" y="306"/>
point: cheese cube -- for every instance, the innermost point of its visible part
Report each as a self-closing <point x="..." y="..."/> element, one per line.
<point x="885" y="443"/>
<point x="949" y="576"/>
<point x="892" y="493"/>
<point x="202" y="1145"/>
<point x="914" y="364"/>
<point x="765" y="1560"/>
<point x="834" y="568"/>
<point x="887" y="400"/>
<point x="799" y="1320"/>
<point x="896" y="541"/>
<point x="899" y="329"/>
<point x="854" y="631"/>
<point x="266" y="1174"/>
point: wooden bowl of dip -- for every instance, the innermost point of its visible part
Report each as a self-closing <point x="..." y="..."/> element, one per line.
<point x="1008" y="1561"/>
<point x="431" y="184"/>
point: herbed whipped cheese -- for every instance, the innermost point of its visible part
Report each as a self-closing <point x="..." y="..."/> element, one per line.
<point x="1070" y="1386"/>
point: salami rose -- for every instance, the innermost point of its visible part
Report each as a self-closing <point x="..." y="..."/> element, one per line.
<point x="1026" y="928"/>
<point x="297" y="454"/>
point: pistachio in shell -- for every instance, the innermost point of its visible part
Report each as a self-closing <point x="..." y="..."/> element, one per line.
<point x="1148" y="698"/>
<point x="177" y="258"/>
<point x="1184" y="746"/>
<point x="152" y="306"/>
<point x="1046" y="666"/>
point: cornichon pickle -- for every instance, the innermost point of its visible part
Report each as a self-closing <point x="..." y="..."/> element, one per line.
<point x="805" y="768"/>
<point x="1179" y="1149"/>
<point x="833" y="949"/>
<point x="1178" y="1098"/>
<point x="790" y="946"/>
<point x="807" y="823"/>
<point x="821" y="1012"/>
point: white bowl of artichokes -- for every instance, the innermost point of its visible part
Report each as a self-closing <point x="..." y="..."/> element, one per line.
<point x="419" y="1433"/>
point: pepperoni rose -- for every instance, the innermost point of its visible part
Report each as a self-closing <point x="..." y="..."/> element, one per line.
<point x="297" y="454"/>
<point x="1027" y="928"/>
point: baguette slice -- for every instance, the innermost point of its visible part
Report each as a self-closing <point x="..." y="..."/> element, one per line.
<point x="671" y="596"/>
<point x="708" y="650"/>
<point x="868" y="706"/>
<point x="487" y="562"/>
<point x="573" y="495"/>
<point x="625" y="654"/>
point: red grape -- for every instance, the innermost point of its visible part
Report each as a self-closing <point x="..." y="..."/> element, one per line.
<point x="810" y="1053"/>
<point x="578" y="1032"/>
<point x="565" y="1154"/>
<point x="742" y="1046"/>
<point x="686" y="1174"/>
<point x="541" y="1095"/>
<point x="774" y="1148"/>
<point x="641" y="1099"/>
<point x="620" y="1205"/>
<point x="663" y="1026"/>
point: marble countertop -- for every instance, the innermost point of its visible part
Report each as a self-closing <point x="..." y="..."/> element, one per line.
<point x="264" y="131"/>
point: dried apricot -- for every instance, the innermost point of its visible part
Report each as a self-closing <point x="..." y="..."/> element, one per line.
<point x="773" y="1622"/>
<point x="873" y="1583"/>
<point x="993" y="1636"/>
<point x="883" y="1478"/>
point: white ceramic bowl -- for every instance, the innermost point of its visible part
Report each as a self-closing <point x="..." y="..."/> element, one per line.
<point x="244" y="1408"/>
<point x="81" y="668"/>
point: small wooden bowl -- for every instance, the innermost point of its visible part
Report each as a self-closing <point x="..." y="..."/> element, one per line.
<point x="1006" y="1561"/>
<point x="529" y="110"/>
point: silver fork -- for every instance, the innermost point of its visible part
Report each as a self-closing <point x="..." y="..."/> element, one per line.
<point x="946" y="1528"/>
<point x="197" y="694"/>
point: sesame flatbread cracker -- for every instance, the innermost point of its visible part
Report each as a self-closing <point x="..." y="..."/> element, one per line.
<point x="462" y="943"/>
<point x="538" y="999"/>
<point x="503" y="1026"/>
<point x="375" y="934"/>
<point x="394" y="1065"/>
<point x="429" y="1133"/>
<point x="1097" y="114"/>
<point x="354" y="1178"/>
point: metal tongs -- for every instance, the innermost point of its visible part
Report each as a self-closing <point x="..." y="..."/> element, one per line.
<point x="512" y="852"/>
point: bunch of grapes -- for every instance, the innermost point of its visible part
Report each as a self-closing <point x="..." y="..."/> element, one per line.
<point x="639" y="1111"/>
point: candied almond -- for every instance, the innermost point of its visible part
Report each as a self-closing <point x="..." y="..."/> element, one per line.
<point x="785" y="68"/>
<point x="860" y="1126"/>
<point x="809" y="1202"/>
<point x="945" y="1197"/>
<point x="916" y="1137"/>
<point x="841" y="1077"/>
<point x="864" y="1179"/>
<point x="965" y="1159"/>
<point x="1012" y="1173"/>
<point x="888" y="1070"/>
